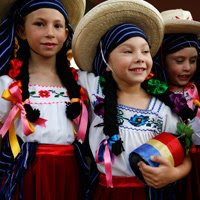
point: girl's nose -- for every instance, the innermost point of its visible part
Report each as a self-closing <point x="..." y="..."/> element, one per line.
<point x="187" y="66"/>
<point x="50" y="31"/>
<point x="138" y="57"/>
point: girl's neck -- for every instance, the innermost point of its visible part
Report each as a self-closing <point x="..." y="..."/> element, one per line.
<point x="175" y="88"/>
<point x="41" y="65"/>
<point x="135" y="97"/>
<point x="42" y="71"/>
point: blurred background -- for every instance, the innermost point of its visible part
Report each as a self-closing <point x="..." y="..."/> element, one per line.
<point x="192" y="5"/>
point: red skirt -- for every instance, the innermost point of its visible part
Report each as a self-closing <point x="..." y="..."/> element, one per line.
<point x="129" y="188"/>
<point x="190" y="186"/>
<point x="54" y="174"/>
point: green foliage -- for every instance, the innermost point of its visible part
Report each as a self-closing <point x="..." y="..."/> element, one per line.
<point x="186" y="131"/>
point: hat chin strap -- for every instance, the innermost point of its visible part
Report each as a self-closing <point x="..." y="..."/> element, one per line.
<point x="104" y="60"/>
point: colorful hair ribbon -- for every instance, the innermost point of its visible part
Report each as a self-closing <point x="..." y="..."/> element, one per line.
<point x="81" y="121"/>
<point x="156" y="87"/>
<point x="104" y="155"/>
<point x="13" y="94"/>
<point x="194" y="97"/>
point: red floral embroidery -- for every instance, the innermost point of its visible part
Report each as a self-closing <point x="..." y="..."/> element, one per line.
<point x="44" y="93"/>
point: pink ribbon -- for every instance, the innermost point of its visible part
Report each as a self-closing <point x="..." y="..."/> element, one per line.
<point x="16" y="98"/>
<point x="107" y="163"/>
<point x="82" y="122"/>
<point x="193" y="93"/>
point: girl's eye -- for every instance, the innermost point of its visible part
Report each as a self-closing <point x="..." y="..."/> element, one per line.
<point x="58" y="26"/>
<point x="127" y="51"/>
<point x="38" y="24"/>
<point x="179" y="61"/>
<point x="146" y="51"/>
<point x="193" y="61"/>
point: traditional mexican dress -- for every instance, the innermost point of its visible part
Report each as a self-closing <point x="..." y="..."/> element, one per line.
<point x="137" y="127"/>
<point x="190" y="185"/>
<point x="54" y="172"/>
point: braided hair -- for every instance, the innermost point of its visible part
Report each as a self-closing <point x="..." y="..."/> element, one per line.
<point x="64" y="73"/>
<point x="119" y="34"/>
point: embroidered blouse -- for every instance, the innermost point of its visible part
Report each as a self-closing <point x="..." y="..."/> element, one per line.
<point x="137" y="127"/>
<point x="50" y="100"/>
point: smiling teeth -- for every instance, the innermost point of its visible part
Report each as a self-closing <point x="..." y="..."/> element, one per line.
<point x="138" y="70"/>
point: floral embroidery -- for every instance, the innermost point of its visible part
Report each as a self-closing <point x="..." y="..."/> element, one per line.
<point x="44" y="93"/>
<point x="138" y="120"/>
<point x="48" y="94"/>
<point x="141" y="120"/>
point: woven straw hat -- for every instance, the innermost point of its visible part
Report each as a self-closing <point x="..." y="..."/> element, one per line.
<point x="107" y="14"/>
<point x="180" y="21"/>
<point x="74" y="8"/>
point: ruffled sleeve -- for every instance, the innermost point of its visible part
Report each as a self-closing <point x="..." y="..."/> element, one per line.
<point x="90" y="82"/>
<point x="5" y="106"/>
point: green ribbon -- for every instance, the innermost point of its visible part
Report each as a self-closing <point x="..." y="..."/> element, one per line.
<point x="102" y="82"/>
<point x="156" y="87"/>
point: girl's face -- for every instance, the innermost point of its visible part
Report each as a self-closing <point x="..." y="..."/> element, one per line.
<point x="45" y="32"/>
<point x="181" y="66"/>
<point x="130" y="62"/>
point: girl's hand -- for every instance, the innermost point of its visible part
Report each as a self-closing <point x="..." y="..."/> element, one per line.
<point x="160" y="176"/>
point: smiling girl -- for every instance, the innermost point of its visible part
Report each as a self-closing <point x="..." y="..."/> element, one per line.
<point x="39" y="100"/>
<point x="115" y="40"/>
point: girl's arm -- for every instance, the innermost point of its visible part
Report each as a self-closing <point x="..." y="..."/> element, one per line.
<point x="161" y="176"/>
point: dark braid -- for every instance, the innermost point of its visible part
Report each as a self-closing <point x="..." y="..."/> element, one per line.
<point x="24" y="54"/>
<point x="111" y="124"/>
<point x="68" y="81"/>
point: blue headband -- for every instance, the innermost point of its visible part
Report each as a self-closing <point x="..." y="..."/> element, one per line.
<point x="175" y="42"/>
<point x="171" y="44"/>
<point x="20" y="9"/>
<point x="113" y="38"/>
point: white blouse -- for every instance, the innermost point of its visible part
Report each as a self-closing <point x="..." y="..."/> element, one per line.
<point x="51" y="102"/>
<point x="138" y="126"/>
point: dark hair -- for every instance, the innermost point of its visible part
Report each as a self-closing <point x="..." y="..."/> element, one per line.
<point x="63" y="71"/>
<point x="111" y="122"/>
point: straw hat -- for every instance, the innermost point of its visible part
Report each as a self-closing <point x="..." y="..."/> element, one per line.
<point x="107" y="14"/>
<point x="180" y="21"/>
<point x="74" y="8"/>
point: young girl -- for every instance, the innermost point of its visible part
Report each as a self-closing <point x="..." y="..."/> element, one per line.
<point x="36" y="87"/>
<point x="113" y="40"/>
<point x="177" y="63"/>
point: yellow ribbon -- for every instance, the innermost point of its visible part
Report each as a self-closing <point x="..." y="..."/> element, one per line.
<point x="162" y="148"/>
<point x="14" y="95"/>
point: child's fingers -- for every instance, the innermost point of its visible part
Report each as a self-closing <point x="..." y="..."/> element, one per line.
<point x="161" y="160"/>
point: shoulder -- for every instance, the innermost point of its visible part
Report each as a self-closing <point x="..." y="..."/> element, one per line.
<point x="89" y="81"/>
<point x="5" y="80"/>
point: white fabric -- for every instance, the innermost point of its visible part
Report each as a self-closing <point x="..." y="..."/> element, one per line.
<point x="160" y="118"/>
<point x="195" y="124"/>
<point x="50" y="101"/>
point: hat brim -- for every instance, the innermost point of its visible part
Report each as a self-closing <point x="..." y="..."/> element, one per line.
<point x="182" y="26"/>
<point x="107" y="14"/>
<point x="74" y="8"/>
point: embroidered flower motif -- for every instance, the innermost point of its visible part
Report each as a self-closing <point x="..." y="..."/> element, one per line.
<point x="138" y="120"/>
<point x="99" y="106"/>
<point x="44" y="93"/>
